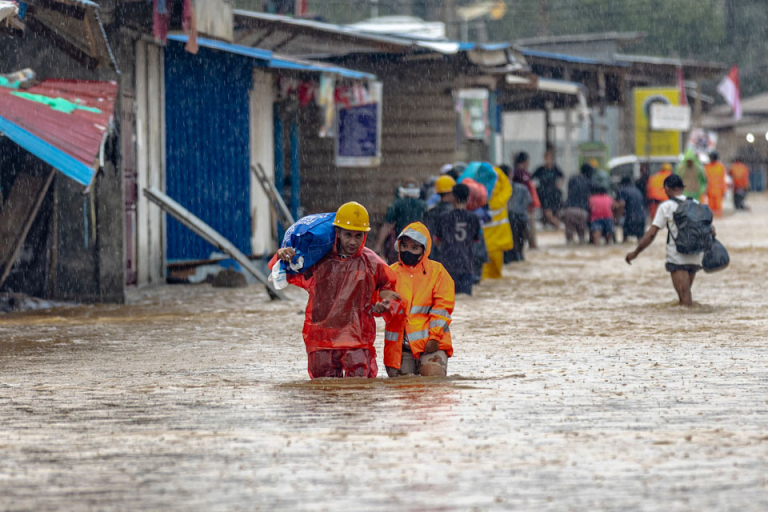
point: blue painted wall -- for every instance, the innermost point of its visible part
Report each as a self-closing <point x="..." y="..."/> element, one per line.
<point x="207" y="147"/>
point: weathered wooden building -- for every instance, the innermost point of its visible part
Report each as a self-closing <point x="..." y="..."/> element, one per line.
<point x="420" y="79"/>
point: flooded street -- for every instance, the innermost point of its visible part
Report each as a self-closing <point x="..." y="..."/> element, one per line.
<point x="576" y="385"/>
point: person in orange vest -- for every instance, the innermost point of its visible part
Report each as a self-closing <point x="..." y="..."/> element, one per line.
<point x="715" y="184"/>
<point x="655" y="189"/>
<point x="417" y="339"/>
<point x="740" y="175"/>
<point x="347" y="287"/>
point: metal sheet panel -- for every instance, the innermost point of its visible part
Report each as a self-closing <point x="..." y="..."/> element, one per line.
<point x="207" y="153"/>
<point x="63" y="122"/>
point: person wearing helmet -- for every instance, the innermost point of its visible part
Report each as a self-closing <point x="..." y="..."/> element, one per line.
<point x="417" y="340"/>
<point x="655" y="189"/>
<point x="443" y="187"/>
<point x="339" y="326"/>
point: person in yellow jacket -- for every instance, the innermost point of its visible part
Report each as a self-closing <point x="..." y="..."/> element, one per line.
<point x="417" y="338"/>
<point x="498" y="232"/>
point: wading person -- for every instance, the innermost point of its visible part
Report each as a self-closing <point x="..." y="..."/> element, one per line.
<point x="549" y="176"/>
<point x="740" y="175"/>
<point x="405" y="209"/>
<point x="631" y="201"/>
<point x="601" y="224"/>
<point x="655" y="189"/>
<point x="715" y="184"/>
<point x="457" y="233"/>
<point x="693" y="175"/>
<point x="339" y="328"/>
<point x="417" y="338"/>
<point x="682" y="266"/>
<point x="444" y="187"/>
<point x="576" y="213"/>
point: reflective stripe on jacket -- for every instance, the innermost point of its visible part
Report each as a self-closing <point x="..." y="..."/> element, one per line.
<point x="427" y="298"/>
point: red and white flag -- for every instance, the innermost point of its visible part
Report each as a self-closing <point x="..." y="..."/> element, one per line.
<point x="681" y="86"/>
<point x="730" y="90"/>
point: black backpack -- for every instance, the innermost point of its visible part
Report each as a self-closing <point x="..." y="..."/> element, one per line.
<point x="694" y="227"/>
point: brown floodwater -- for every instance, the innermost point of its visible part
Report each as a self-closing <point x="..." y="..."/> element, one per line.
<point x="576" y="384"/>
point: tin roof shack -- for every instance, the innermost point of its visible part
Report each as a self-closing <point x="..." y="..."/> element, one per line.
<point x="419" y="119"/>
<point x="203" y="121"/>
<point x="62" y="231"/>
<point x="608" y="79"/>
<point x="745" y="138"/>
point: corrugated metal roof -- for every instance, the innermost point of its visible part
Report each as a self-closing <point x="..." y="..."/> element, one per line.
<point x="349" y="35"/>
<point x="574" y="59"/>
<point x="269" y="59"/>
<point x="62" y="122"/>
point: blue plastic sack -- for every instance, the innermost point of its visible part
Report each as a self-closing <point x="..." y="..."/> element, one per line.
<point x="481" y="172"/>
<point x="312" y="237"/>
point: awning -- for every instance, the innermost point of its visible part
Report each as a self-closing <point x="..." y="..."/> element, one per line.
<point x="62" y="122"/>
<point x="268" y="59"/>
<point x="547" y="84"/>
<point x="7" y="9"/>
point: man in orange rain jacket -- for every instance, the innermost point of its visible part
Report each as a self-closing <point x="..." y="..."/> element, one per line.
<point x="417" y="340"/>
<point x="740" y="174"/>
<point x="715" y="184"/>
<point x="655" y="189"/>
<point x="339" y="328"/>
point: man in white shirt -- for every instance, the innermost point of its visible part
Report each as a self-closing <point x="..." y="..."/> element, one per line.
<point x="682" y="267"/>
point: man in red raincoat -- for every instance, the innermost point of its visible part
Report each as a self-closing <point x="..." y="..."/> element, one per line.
<point x="339" y="327"/>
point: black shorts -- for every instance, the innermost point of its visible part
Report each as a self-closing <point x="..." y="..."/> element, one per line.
<point x="691" y="269"/>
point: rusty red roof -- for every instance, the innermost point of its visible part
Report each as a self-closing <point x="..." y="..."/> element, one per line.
<point x="69" y="116"/>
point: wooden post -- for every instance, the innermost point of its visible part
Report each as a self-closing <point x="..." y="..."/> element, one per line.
<point x="26" y="227"/>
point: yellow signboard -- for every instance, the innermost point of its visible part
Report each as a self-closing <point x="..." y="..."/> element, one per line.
<point x="662" y="143"/>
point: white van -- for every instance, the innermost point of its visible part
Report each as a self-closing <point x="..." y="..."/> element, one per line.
<point x="629" y="165"/>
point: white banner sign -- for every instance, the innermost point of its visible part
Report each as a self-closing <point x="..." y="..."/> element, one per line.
<point x="670" y="117"/>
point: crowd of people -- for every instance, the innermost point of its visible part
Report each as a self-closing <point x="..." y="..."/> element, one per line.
<point x="443" y="237"/>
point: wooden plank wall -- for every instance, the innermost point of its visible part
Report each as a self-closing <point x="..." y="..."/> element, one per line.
<point x="419" y="136"/>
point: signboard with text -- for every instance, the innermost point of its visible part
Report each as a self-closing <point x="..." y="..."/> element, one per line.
<point x="659" y="142"/>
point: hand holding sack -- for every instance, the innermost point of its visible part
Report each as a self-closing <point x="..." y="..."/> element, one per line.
<point x="311" y="238"/>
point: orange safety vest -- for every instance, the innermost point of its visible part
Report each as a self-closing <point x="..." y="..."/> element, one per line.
<point x="427" y="298"/>
<point x="715" y="178"/>
<point x="740" y="174"/>
<point x="655" y="186"/>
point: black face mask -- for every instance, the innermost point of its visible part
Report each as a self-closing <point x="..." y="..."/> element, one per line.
<point x="410" y="259"/>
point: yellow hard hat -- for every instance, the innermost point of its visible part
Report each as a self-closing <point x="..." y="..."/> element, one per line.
<point x="666" y="167"/>
<point x="444" y="184"/>
<point x="593" y="163"/>
<point x="352" y="217"/>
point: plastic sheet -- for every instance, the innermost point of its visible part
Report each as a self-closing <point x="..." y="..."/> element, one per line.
<point x="481" y="172"/>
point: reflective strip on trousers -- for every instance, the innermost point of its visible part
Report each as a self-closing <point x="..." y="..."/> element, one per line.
<point x="391" y="336"/>
<point x="415" y="310"/>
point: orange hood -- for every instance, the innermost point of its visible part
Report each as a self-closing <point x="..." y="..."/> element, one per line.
<point x="419" y="233"/>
